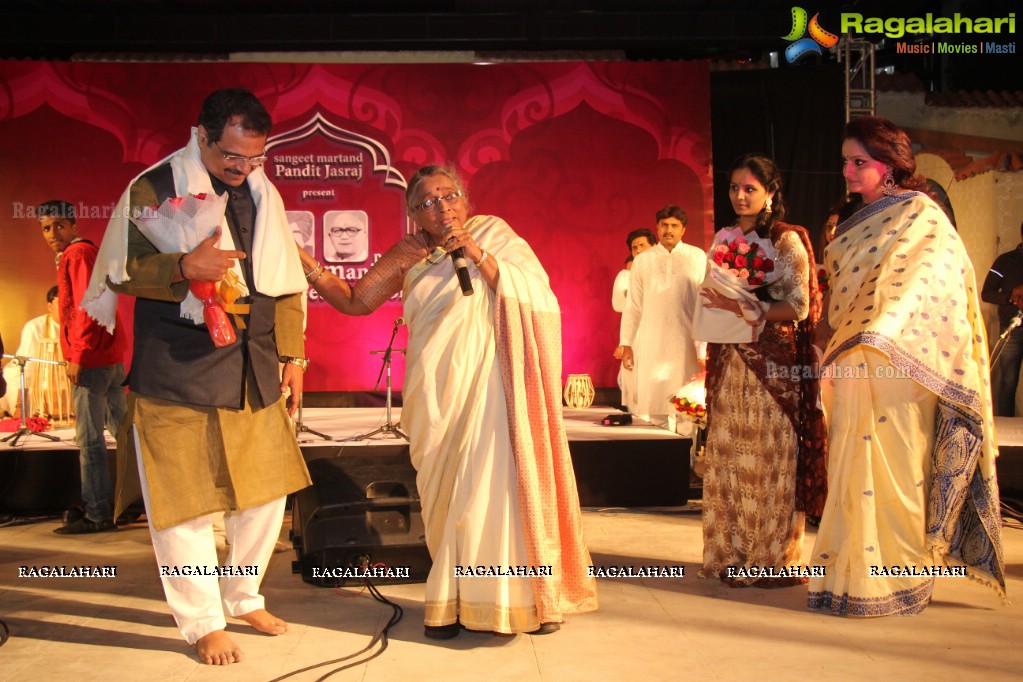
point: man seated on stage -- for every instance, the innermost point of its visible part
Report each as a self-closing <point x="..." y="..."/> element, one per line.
<point x="657" y="325"/>
<point x="210" y="424"/>
<point x="95" y="367"/>
<point x="36" y="330"/>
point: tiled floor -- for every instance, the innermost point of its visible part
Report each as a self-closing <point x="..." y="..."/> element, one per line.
<point x="646" y="629"/>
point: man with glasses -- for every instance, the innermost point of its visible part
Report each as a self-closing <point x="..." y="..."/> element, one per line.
<point x="209" y="424"/>
<point x="347" y="236"/>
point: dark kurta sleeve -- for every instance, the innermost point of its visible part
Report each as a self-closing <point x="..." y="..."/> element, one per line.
<point x="150" y="272"/>
<point x="994" y="291"/>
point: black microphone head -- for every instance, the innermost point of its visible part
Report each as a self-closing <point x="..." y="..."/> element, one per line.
<point x="462" y="271"/>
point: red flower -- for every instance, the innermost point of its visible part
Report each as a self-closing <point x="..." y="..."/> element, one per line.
<point x="743" y="259"/>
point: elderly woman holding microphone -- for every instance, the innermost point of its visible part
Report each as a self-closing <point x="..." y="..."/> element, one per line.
<point x="483" y="412"/>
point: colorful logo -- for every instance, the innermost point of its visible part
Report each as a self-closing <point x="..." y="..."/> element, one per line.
<point x="801" y="46"/>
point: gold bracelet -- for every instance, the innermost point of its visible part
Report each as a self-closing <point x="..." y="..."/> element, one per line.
<point x="314" y="281"/>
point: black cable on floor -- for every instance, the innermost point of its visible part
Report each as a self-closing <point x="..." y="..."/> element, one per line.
<point x="396" y="616"/>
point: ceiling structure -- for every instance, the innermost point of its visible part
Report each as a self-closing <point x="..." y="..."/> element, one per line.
<point x="741" y="31"/>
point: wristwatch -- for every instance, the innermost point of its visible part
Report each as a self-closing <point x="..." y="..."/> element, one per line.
<point x="301" y="362"/>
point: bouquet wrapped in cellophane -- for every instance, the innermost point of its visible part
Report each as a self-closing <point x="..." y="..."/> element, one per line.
<point x="737" y="265"/>
<point x="690" y="401"/>
<point x="180" y="224"/>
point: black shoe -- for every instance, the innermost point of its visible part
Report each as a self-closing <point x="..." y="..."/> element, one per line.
<point x="443" y="631"/>
<point x="84" y="525"/>
<point x="72" y="514"/>
<point x="546" y="629"/>
<point x="127" y="518"/>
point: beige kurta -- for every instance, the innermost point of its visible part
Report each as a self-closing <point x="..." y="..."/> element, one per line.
<point x="201" y="460"/>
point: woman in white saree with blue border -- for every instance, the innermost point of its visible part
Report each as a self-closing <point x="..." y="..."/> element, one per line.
<point x="912" y="492"/>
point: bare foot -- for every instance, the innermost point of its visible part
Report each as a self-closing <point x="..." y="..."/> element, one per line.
<point x="265" y="622"/>
<point x="217" y="648"/>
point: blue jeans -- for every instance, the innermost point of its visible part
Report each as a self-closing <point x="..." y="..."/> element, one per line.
<point x="99" y="400"/>
<point x="1003" y="389"/>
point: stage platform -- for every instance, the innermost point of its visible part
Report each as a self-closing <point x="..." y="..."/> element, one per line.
<point x="636" y="465"/>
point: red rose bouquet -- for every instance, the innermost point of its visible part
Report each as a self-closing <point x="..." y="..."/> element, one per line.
<point x="737" y="264"/>
<point x="745" y="259"/>
<point x="179" y="224"/>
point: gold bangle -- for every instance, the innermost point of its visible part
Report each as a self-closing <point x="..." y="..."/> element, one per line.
<point x="314" y="281"/>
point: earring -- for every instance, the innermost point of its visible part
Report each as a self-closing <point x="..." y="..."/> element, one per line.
<point x="767" y="204"/>
<point x="888" y="184"/>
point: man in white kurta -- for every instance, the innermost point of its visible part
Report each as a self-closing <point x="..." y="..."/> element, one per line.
<point x="656" y="330"/>
<point x="638" y="241"/>
<point x="33" y="333"/>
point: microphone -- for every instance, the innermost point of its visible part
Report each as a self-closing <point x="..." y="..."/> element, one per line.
<point x="400" y="321"/>
<point x="462" y="270"/>
<point x="1016" y="320"/>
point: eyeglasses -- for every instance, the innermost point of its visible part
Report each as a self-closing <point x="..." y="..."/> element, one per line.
<point x="237" y="159"/>
<point x="350" y="231"/>
<point x="436" y="201"/>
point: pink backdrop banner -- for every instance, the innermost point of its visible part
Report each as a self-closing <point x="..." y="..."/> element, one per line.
<point x="573" y="155"/>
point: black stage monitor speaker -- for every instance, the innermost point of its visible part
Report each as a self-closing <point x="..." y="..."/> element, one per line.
<point x="361" y="514"/>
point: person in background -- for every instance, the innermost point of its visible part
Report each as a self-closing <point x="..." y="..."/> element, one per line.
<point x="44" y="327"/>
<point x="911" y="442"/>
<point x="656" y="331"/>
<point x="95" y="367"/>
<point x="1003" y="287"/>
<point x="638" y="241"/>
<point x="482" y="407"/>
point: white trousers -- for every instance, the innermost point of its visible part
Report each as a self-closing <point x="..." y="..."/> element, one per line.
<point x="199" y="602"/>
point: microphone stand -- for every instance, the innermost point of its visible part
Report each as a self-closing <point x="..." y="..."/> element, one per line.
<point x="301" y="428"/>
<point x="23" y="430"/>
<point x="388" y="427"/>
<point x="1000" y="343"/>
